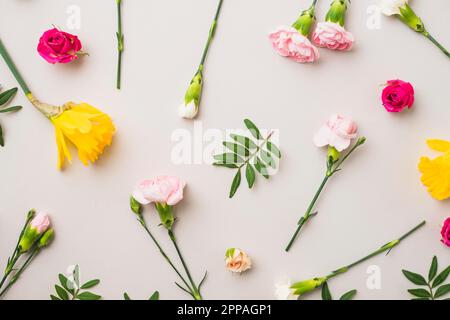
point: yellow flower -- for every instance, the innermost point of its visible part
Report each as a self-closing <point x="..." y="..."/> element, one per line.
<point x="87" y="128"/>
<point x="436" y="172"/>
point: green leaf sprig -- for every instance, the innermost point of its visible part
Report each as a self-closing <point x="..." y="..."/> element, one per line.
<point x="5" y="97"/>
<point x="250" y="155"/>
<point x="434" y="288"/>
<point x="70" y="289"/>
<point x="326" y="294"/>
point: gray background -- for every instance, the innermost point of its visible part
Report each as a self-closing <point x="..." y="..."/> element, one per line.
<point x="377" y="197"/>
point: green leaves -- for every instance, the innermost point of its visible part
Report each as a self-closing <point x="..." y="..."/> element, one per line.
<point x="433" y="269"/>
<point x="70" y="289"/>
<point x="432" y="283"/>
<point x="88" y="296"/>
<point x="236" y="183"/>
<point x="250" y="175"/>
<point x="153" y="297"/>
<point x="349" y="295"/>
<point x="260" y="155"/>
<point x="421" y="293"/>
<point x="415" y="278"/>
<point x="441" y="277"/>
<point x="326" y="294"/>
<point x="5" y="97"/>
<point x="253" y="129"/>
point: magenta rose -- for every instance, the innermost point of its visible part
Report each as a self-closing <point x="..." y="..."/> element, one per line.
<point x="445" y="232"/>
<point x="397" y="95"/>
<point x="56" y="46"/>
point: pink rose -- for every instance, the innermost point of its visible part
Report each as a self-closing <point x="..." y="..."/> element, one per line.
<point x="59" y="47"/>
<point x="338" y="132"/>
<point x="40" y="222"/>
<point x="288" y="42"/>
<point x="397" y="95"/>
<point x="332" y="36"/>
<point x="164" y="189"/>
<point x="445" y="232"/>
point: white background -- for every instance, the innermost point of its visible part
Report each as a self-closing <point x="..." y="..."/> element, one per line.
<point x="376" y="198"/>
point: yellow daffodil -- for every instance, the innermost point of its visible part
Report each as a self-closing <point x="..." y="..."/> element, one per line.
<point x="436" y="172"/>
<point x="86" y="127"/>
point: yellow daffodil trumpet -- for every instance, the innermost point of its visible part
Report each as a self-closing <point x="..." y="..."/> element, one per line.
<point x="436" y="172"/>
<point x="84" y="126"/>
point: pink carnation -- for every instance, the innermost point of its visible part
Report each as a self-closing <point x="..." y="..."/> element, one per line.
<point x="288" y="42"/>
<point x="337" y="132"/>
<point x="332" y="36"/>
<point x="163" y="189"/>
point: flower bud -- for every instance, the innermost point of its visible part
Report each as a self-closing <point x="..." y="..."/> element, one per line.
<point x="409" y="17"/>
<point x="237" y="260"/>
<point x="337" y="11"/>
<point x="33" y="231"/>
<point x="361" y="141"/>
<point x="165" y="214"/>
<point x="135" y="206"/>
<point x="46" y="239"/>
<point x="192" y="98"/>
<point x="333" y="155"/>
<point x="305" y="21"/>
<point x="303" y="287"/>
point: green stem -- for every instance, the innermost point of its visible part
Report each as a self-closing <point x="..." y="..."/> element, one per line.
<point x="389" y="246"/>
<point x="4" y="53"/>
<point x="197" y="294"/>
<point x="120" y="44"/>
<point x="331" y="170"/>
<point x="308" y="212"/>
<point x="211" y="34"/>
<point x="144" y="225"/>
<point x="360" y="142"/>
<point x="20" y="271"/>
<point x="436" y="43"/>
<point x="16" y="253"/>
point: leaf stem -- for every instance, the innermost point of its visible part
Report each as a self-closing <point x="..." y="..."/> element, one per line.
<point x="211" y="34"/>
<point x="258" y="148"/>
<point x="196" y="292"/>
<point x="436" y="43"/>
<point x="144" y="225"/>
<point x="10" y="63"/>
<point x="120" y="44"/>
